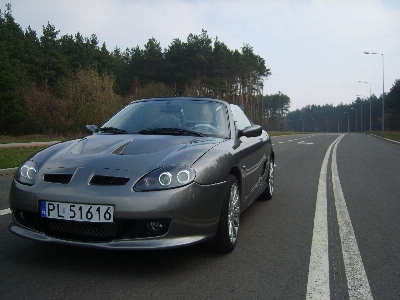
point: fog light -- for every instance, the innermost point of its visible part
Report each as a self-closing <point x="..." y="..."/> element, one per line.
<point x="154" y="227"/>
<point x="21" y="216"/>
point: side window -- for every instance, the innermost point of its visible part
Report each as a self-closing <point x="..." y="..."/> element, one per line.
<point x="240" y="118"/>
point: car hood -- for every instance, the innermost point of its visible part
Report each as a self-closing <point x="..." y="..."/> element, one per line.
<point x="135" y="153"/>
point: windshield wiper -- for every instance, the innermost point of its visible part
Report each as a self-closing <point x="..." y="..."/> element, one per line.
<point x="173" y="131"/>
<point x="112" y="130"/>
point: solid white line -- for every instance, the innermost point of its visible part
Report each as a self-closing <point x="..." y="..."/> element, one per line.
<point x="318" y="272"/>
<point x="357" y="282"/>
<point x="5" y="211"/>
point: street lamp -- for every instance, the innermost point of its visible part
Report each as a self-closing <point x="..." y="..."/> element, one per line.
<point x="383" y="91"/>
<point x="303" y="123"/>
<point x="370" y="102"/>
<point x="337" y="123"/>
<point x="348" y="121"/>
<point x="315" y="124"/>
<point x="359" y="96"/>
<point x="356" y="116"/>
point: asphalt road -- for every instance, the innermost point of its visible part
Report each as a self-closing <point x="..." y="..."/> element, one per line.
<point x="324" y="234"/>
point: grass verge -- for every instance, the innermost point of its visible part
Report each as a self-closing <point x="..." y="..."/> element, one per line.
<point x="391" y="135"/>
<point x="14" y="157"/>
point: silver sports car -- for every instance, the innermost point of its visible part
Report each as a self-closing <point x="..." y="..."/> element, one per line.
<point x="161" y="173"/>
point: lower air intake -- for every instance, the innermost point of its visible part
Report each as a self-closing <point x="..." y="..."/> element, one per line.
<point x="79" y="230"/>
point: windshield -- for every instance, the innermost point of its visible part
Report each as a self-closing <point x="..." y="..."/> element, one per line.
<point x="171" y="117"/>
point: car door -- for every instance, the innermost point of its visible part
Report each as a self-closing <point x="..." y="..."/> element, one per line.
<point x="251" y="153"/>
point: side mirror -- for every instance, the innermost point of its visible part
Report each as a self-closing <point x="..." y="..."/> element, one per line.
<point x="91" y="128"/>
<point x="251" y="131"/>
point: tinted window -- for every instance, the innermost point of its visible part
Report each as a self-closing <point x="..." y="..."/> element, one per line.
<point x="206" y="117"/>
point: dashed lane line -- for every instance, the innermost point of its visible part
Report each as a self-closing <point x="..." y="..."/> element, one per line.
<point x="5" y="211"/>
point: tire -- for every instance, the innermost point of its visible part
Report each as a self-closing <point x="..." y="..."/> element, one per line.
<point x="228" y="226"/>
<point x="269" y="190"/>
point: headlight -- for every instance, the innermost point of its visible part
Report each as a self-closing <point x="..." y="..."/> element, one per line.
<point x="27" y="173"/>
<point x="165" y="178"/>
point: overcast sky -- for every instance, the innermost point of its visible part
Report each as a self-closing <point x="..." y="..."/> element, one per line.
<point x="314" y="48"/>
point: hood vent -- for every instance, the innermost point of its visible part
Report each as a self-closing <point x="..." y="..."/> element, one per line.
<point x="108" y="180"/>
<point x="57" y="178"/>
<point x="121" y="148"/>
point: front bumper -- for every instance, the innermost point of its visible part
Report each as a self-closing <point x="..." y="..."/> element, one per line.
<point x="191" y="212"/>
<point x="163" y="242"/>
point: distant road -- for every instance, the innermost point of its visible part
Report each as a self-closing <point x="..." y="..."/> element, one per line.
<point x="331" y="229"/>
<point x="31" y="144"/>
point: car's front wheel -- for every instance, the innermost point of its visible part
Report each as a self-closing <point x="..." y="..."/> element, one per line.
<point x="228" y="227"/>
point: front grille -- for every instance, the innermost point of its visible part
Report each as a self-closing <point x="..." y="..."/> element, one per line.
<point x="108" y="180"/>
<point x="57" y="178"/>
<point x="82" y="231"/>
<point x="89" y="232"/>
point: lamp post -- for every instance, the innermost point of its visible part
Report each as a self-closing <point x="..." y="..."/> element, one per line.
<point x="370" y="102"/>
<point x="356" y="116"/>
<point x="383" y="91"/>
<point x="303" y="123"/>
<point x="337" y="123"/>
<point x="361" y="111"/>
<point x="348" y="121"/>
<point x="326" y="124"/>
<point x="315" y="125"/>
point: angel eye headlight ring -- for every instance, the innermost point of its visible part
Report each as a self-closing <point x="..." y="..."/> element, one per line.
<point x="165" y="179"/>
<point x="27" y="173"/>
<point x="183" y="176"/>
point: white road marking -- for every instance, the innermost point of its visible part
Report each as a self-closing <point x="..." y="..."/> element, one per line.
<point x="357" y="281"/>
<point x="318" y="272"/>
<point x="304" y="143"/>
<point x="5" y="211"/>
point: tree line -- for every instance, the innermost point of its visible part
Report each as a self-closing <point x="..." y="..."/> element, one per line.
<point x="57" y="84"/>
<point x="362" y="115"/>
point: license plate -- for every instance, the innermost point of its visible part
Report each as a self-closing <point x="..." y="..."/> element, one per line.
<point x="77" y="212"/>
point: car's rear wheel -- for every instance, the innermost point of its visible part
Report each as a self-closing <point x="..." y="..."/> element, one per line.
<point x="269" y="190"/>
<point x="228" y="227"/>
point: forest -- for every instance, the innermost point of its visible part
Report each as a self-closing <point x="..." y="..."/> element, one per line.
<point x="52" y="84"/>
<point x="57" y="84"/>
<point x="364" y="114"/>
